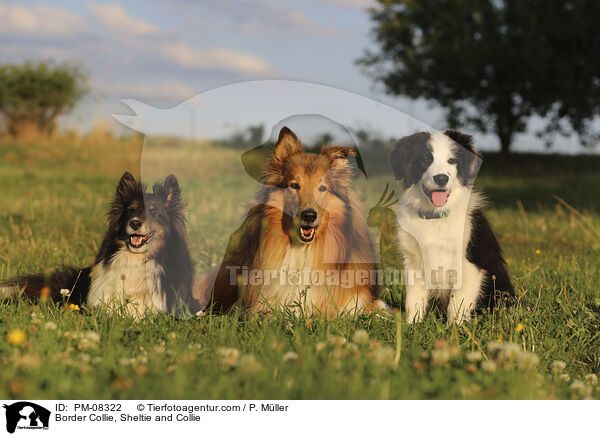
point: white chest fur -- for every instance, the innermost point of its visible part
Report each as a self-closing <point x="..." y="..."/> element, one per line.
<point x="130" y="282"/>
<point x="435" y="247"/>
<point x="287" y="281"/>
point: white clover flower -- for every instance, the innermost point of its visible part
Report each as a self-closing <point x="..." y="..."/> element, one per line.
<point x="35" y="319"/>
<point x="200" y="314"/>
<point x="249" y="364"/>
<point x="511" y="352"/>
<point x="582" y="388"/>
<point x="592" y="379"/>
<point x="384" y="356"/>
<point x="352" y="349"/>
<point x="440" y="356"/>
<point x="528" y="360"/>
<point x="126" y="361"/>
<point x="86" y="344"/>
<point x="229" y="356"/>
<point x="337" y="341"/>
<point x="65" y="292"/>
<point x="50" y="325"/>
<point x="488" y="366"/>
<point x="337" y="354"/>
<point x="290" y="355"/>
<point x="473" y="356"/>
<point x="565" y="377"/>
<point x="558" y="366"/>
<point x="360" y="337"/>
<point x="92" y="336"/>
<point x="495" y="347"/>
<point x="29" y="360"/>
<point x="321" y="346"/>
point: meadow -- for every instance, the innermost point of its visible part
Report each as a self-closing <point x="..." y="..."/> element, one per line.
<point x="544" y="209"/>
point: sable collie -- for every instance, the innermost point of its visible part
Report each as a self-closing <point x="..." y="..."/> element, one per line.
<point x="450" y="252"/>
<point x="304" y="242"/>
<point x="143" y="262"/>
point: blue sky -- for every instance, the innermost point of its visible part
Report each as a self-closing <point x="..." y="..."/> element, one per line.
<point x="164" y="52"/>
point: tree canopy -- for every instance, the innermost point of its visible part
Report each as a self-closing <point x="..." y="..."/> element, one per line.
<point x="493" y="63"/>
<point x="38" y="93"/>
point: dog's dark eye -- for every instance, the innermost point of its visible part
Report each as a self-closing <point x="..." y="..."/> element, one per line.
<point x="322" y="188"/>
<point x="452" y="161"/>
<point x="295" y="186"/>
<point x="427" y="159"/>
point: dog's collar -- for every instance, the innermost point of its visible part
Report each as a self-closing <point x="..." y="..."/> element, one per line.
<point x="432" y="215"/>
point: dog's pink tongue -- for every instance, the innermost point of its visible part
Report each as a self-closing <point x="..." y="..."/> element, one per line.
<point x="439" y="197"/>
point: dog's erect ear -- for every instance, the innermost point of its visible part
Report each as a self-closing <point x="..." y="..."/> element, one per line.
<point x="127" y="189"/>
<point x="170" y="191"/>
<point x="468" y="156"/>
<point x="127" y="185"/>
<point x="287" y="144"/>
<point x="405" y="153"/>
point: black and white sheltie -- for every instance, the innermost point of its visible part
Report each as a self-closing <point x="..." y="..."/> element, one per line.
<point x="143" y="262"/>
<point x="450" y="252"/>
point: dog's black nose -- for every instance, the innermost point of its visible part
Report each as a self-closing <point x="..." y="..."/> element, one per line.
<point x="135" y="224"/>
<point x="440" y="179"/>
<point x="308" y="215"/>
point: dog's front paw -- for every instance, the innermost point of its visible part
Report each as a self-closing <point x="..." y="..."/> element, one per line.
<point x="414" y="316"/>
<point x="458" y="319"/>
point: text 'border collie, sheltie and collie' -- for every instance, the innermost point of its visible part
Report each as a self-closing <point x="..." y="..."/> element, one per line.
<point x="305" y="232"/>
<point x="143" y="264"/>
<point x="441" y="227"/>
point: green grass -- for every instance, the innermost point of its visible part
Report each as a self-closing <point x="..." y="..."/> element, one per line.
<point x="52" y="212"/>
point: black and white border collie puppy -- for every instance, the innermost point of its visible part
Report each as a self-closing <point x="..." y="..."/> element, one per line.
<point x="143" y="263"/>
<point x="450" y="252"/>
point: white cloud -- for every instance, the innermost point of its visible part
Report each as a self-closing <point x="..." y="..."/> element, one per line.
<point x="114" y="17"/>
<point x="40" y="22"/>
<point x="214" y="58"/>
<point x="294" y="22"/>
<point x="129" y="45"/>
<point x="268" y="17"/>
<point x="153" y="43"/>
<point x="356" y="4"/>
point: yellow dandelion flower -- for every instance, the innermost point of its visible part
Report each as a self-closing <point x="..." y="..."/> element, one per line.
<point x="73" y="307"/>
<point x="16" y="337"/>
<point x="538" y="251"/>
<point x="520" y="327"/>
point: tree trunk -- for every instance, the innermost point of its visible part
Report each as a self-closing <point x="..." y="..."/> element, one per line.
<point x="505" y="142"/>
<point x="505" y="132"/>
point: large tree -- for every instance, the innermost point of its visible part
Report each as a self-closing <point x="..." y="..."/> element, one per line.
<point x="492" y="63"/>
<point x="36" y="94"/>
